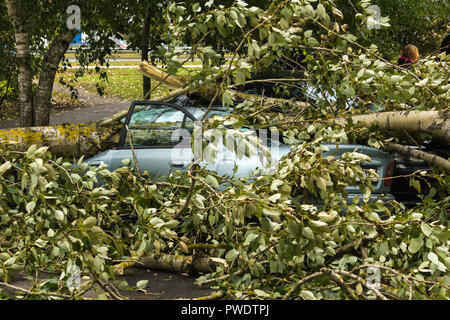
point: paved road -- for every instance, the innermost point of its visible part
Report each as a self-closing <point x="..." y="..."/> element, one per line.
<point x="93" y="108"/>
<point x="161" y="285"/>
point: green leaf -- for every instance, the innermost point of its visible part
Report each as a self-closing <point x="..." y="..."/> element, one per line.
<point x="142" y="284"/>
<point x="319" y="226"/>
<point x="90" y="222"/>
<point x="426" y="229"/>
<point x="307" y="295"/>
<point x="198" y="201"/>
<point x="99" y="264"/>
<point x="322" y="184"/>
<point x="415" y="245"/>
<point x="250" y="237"/>
<point x="59" y="215"/>
<point x="271" y="212"/>
<point x="359" y="289"/>
<point x="4" y="167"/>
<point x="261" y="293"/>
<point x="50" y="233"/>
<point x="415" y="184"/>
<point x="227" y="98"/>
<point x="30" y="206"/>
<point x="212" y="181"/>
<point x="231" y="255"/>
<point x="433" y="258"/>
<point x="308" y="233"/>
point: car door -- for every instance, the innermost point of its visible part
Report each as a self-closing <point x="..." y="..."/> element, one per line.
<point x="156" y="131"/>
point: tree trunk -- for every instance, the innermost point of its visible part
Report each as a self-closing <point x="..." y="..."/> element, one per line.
<point x="17" y="16"/>
<point x="435" y="123"/>
<point x="146" y="82"/>
<point x="53" y="56"/>
<point x="63" y="140"/>
<point x="432" y="159"/>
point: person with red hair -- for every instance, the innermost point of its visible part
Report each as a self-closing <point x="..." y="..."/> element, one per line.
<point x="410" y="55"/>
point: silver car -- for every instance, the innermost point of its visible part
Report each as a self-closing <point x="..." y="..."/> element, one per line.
<point x="160" y="135"/>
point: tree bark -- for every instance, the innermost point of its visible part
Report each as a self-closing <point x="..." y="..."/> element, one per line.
<point x="432" y="159"/>
<point x="174" y="263"/>
<point x="63" y="140"/>
<point x="151" y="72"/>
<point x="434" y="122"/>
<point x="53" y="56"/>
<point x="16" y="14"/>
<point x="146" y="82"/>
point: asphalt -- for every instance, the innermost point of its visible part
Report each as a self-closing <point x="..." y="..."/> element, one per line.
<point x="161" y="285"/>
<point x="91" y="107"/>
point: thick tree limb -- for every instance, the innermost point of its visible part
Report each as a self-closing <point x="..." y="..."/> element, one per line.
<point x="173" y="263"/>
<point x="434" y="122"/>
<point x="432" y="159"/>
<point x="154" y="73"/>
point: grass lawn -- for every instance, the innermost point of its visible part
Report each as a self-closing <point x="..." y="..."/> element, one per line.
<point x="131" y="63"/>
<point x="125" y="83"/>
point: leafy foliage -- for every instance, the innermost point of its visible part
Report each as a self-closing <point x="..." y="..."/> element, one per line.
<point x="55" y="215"/>
<point x="277" y="244"/>
<point x="422" y="23"/>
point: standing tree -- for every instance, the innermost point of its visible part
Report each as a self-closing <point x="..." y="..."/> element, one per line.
<point x="41" y="44"/>
<point x="145" y="29"/>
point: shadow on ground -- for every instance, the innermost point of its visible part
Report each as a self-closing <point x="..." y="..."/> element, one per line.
<point x="164" y="285"/>
<point x="161" y="285"/>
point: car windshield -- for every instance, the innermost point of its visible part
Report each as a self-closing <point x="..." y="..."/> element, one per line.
<point x="148" y="114"/>
<point x="154" y="125"/>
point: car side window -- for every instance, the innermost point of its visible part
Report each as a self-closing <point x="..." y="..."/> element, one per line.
<point x="198" y="114"/>
<point x="154" y="125"/>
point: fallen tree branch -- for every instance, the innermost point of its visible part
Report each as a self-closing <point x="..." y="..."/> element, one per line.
<point x="181" y="264"/>
<point x="154" y="73"/>
<point x="172" y="263"/>
<point x="301" y="282"/>
<point x="432" y="159"/>
<point x="434" y="122"/>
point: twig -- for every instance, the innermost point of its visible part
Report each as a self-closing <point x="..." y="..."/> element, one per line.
<point x="301" y="282"/>
<point x="132" y="151"/>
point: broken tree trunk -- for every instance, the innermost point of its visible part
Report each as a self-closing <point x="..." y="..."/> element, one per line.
<point x="154" y="73"/>
<point x="63" y="140"/>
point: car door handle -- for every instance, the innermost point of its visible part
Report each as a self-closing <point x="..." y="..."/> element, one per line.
<point x="177" y="165"/>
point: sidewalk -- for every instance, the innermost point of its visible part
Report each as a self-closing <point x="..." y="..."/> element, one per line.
<point x="93" y="108"/>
